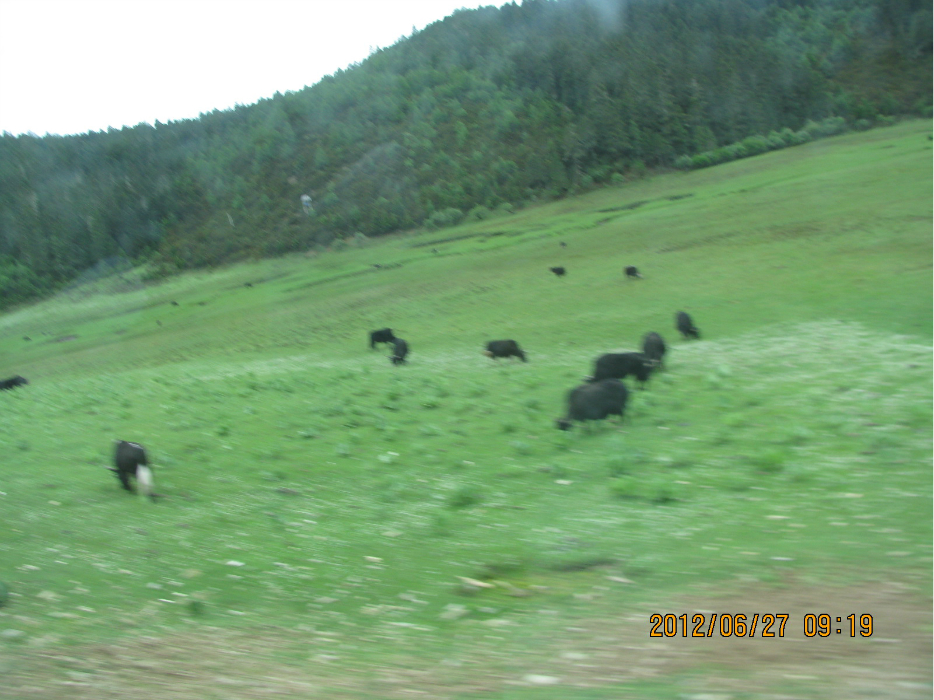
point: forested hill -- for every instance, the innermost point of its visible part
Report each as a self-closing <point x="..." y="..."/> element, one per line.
<point x="484" y="110"/>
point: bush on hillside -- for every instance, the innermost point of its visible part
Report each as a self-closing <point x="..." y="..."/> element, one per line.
<point x="446" y="217"/>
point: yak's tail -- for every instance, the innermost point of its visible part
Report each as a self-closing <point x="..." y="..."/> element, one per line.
<point x="144" y="480"/>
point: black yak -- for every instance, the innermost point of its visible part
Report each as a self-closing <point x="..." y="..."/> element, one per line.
<point x="383" y="335"/>
<point x="504" y="348"/>
<point x="559" y="271"/>
<point x="130" y="460"/>
<point x="686" y="326"/>
<point x="400" y="349"/>
<point x="632" y="273"/>
<point x="617" y="365"/>
<point x="13" y="382"/>
<point x="595" y="401"/>
<point x="653" y="347"/>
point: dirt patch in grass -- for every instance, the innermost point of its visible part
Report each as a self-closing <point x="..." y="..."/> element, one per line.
<point x="592" y="650"/>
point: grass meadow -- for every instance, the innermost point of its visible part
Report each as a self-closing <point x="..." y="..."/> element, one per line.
<point x="333" y="526"/>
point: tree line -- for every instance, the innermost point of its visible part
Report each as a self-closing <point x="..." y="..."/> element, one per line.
<point x="484" y="110"/>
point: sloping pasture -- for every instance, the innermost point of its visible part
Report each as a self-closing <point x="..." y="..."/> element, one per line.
<point x="377" y="530"/>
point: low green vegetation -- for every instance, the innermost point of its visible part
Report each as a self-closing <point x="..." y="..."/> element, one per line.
<point x="310" y="485"/>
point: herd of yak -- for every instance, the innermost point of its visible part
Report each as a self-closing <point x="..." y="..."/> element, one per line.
<point x="603" y="395"/>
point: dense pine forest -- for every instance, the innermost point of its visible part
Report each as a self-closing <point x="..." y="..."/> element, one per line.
<point x="475" y="115"/>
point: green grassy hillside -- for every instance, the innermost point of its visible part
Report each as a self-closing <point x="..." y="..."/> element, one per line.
<point x="322" y="508"/>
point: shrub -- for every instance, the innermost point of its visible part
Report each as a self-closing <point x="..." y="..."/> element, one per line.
<point x="479" y="213"/>
<point x="754" y="145"/>
<point x="828" y="127"/>
<point x="703" y="160"/>
<point x="638" y="169"/>
<point x="617" y="179"/>
<point x="736" y="151"/>
<point x="776" y="141"/>
<point x="721" y="155"/>
<point x="446" y="217"/>
<point x="684" y="162"/>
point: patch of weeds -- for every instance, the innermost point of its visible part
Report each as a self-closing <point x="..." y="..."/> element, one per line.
<point x="440" y="525"/>
<point x="917" y="417"/>
<point x="563" y="440"/>
<point x="624" y="461"/>
<point x="515" y="472"/>
<point x="734" y="481"/>
<point x="510" y="566"/>
<point x="734" y="421"/>
<point x="768" y="461"/>
<point x="714" y="382"/>
<point x="521" y="448"/>
<point x="626" y="487"/>
<point x="836" y="424"/>
<point x="799" y="475"/>
<point x="581" y="562"/>
<point x="342" y="450"/>
<point x="884" y="439"/>
<point x="464" y="497"/>
<point x="798" y="435"/>
<point x="555" y="470"/>
<point x="618" y="466"/>
<point x="722" y="437"/>
<point x="429" y="430"/>
<point x="661" y="493"/>
<point x="509" y="428"/>
<point x="677" y="461"/>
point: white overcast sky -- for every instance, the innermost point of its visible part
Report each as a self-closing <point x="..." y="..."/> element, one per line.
<point x="72" y="66"/>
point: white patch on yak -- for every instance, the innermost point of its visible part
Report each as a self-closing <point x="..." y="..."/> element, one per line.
<point x="144" y="480"/>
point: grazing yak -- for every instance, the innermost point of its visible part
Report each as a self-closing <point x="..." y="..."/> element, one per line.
<point x="559" y="271"/>
<point x="632" y="273"/>
<point x="130" y="459"/>
<point x="400" y="349"/>
<point x="617" y="365"/>
<point x="383" y="335"/>
<point x="686" y="326"/>
<point x="595" y="401"/>
<point x="13" y="382"/>
<point x="504" y="348"/>
<point x="653" y="347"/>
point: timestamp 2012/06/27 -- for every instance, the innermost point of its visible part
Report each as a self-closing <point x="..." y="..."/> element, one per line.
<point x="763" y="624"/>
